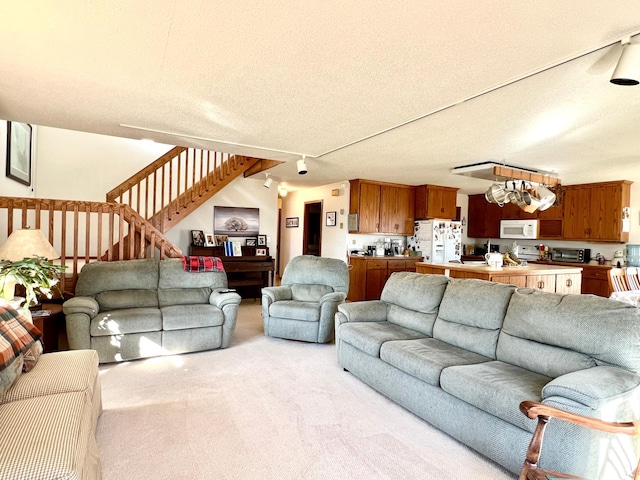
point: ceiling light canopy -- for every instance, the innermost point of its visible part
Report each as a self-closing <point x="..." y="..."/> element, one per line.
<point x="627" y="71"/>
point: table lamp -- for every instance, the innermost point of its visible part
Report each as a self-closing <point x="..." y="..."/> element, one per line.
<point x="21" y="246"/>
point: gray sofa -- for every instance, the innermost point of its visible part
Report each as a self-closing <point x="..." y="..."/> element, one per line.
<point x="304" y="305"/>
<point x="462" y="355"/>
<point x="141" y="308"/>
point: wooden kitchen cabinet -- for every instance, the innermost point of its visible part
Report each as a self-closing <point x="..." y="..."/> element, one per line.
<point x="382" y="207"/>
<point x="550" y="223"/>
<point x="546" y="283"/>
<point x="594" y="211"/>
<point x="483" y="220"/>
<point x="595" y="280"/>
<point x="568" y="283"/>
<point x="435" y="201"/>
<point x="511" y="211"/>
<point x="368" y="275"/>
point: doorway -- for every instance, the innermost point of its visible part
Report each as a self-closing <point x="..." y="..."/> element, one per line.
<point x="312" y="231"/>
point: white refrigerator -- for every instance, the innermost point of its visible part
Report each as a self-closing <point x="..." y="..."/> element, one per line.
<point x="440" y="241"/>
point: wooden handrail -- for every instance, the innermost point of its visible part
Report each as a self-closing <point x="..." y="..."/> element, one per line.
<point x="86" y="231"/>
<point x="178" y="178"/>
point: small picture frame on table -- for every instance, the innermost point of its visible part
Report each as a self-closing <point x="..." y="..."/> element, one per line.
<point x="251" y="242"/>
<point x="209" y="240"/>
<point x="262" y="241"/>
<point x="261" y="252"/>
<point x="197" y="238"/>
<point x="220" y="239"/>
<point x="331" y="219"/>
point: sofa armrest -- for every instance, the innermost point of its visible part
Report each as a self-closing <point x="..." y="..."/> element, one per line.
<point x="275" y="294"/>
<point x="333" y="297"/>
<point x="221" y="299"/>
<point x="87" y="305"/>
<point x="365" y="311"/>
<point x="594" y="387"/>
<point x="78" y="312"/>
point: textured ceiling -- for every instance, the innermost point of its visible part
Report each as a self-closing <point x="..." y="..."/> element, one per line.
<point x="394" y="91"/>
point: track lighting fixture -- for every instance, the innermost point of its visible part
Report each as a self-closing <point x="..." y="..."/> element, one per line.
<point x="302" y="166"/>
<point x="627" y="71"/>
<point x="267" y="183"/>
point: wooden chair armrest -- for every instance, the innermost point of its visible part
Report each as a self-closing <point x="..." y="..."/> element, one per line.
<point x="535" y="409"/>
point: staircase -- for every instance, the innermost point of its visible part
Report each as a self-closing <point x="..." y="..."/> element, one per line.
<point x="178" y="183"/>
<point x="132" y="222"/>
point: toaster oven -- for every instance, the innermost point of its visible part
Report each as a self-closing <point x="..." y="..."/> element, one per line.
<point x="572" y="255"/>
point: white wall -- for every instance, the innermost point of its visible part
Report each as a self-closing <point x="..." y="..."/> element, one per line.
<point x="84" y="166"/>
<point x="333" y="238"/>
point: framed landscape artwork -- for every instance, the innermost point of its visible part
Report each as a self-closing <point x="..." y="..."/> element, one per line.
<point x="19" y="152"/>
<point x="236" y="221"/>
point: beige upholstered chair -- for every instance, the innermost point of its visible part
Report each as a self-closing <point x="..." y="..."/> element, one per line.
<point x="303" y="307"/>
<point x="544" y="413"/>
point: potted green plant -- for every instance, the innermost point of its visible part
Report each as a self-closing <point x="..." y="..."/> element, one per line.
<point x="36" y="274"/>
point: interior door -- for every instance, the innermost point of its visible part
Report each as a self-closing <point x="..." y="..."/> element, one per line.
<point x="312" y="229"/>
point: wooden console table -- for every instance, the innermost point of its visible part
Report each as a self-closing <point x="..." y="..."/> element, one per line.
<point x="248" y="273"/>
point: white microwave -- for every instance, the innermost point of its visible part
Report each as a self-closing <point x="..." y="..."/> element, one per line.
<point x="525" y="229"/>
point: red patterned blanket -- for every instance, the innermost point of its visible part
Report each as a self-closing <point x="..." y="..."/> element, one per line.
<point x="193" y="263"/>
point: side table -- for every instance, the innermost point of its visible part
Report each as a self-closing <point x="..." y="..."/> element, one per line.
<point x="51" y="325"/>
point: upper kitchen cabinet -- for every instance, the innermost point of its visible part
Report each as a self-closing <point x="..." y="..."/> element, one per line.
<point x="483" y="218"/>
<point x="385" y="208"/>
<point x="595" y="211"/>
<point x="434" y="201"/>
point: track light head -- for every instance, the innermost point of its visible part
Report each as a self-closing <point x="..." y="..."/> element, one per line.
<point x="267" y="183"/>
<point x="302" y="166"/>
<point x="627" y="71"/>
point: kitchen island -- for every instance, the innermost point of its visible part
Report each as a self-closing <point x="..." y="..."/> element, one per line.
<point x="550" y="278"/>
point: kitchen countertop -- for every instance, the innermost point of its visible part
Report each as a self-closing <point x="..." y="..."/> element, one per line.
<point x="569" y="264"/>
<point x="530" y="269"/>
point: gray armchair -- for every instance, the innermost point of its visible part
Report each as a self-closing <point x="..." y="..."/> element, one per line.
<point x="303" y="307"/>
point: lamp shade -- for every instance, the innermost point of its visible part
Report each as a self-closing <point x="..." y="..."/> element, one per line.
<point x="27" y="243"/>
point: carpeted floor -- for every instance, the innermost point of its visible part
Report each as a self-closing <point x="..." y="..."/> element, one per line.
<point x="264" y="409"/>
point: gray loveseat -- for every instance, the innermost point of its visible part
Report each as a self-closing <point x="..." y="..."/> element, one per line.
<point x="462" y="355"/>
<point x="141" y="308"/>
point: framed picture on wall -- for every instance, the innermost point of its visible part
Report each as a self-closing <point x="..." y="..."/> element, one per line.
<point x="236" y="221"/>
<point x="292" y="222"/>
<point x="19" y="152"/>
<point x="331" y="219"/>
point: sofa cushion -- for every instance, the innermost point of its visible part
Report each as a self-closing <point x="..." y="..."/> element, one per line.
<point x="183" y="296"/>
<point x="554" y="334"/>
<point x="413" y="299"/>
<point x="52" y="436"/>
<point x="471" y="314"/>
<point x="129" y="320"/>
<point x="116" y="299"/>
<point x="295" y="310"/>
<point x="57" y="372"/>
<point x="305" y="292"/>
<point x="97" y="277"/>
<point x="31" y="356"/>
<point x="178" y="317"/>
<point x="425" y="358"/>
<point x="495" y="387"/>
<point x="369" y="336"/>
